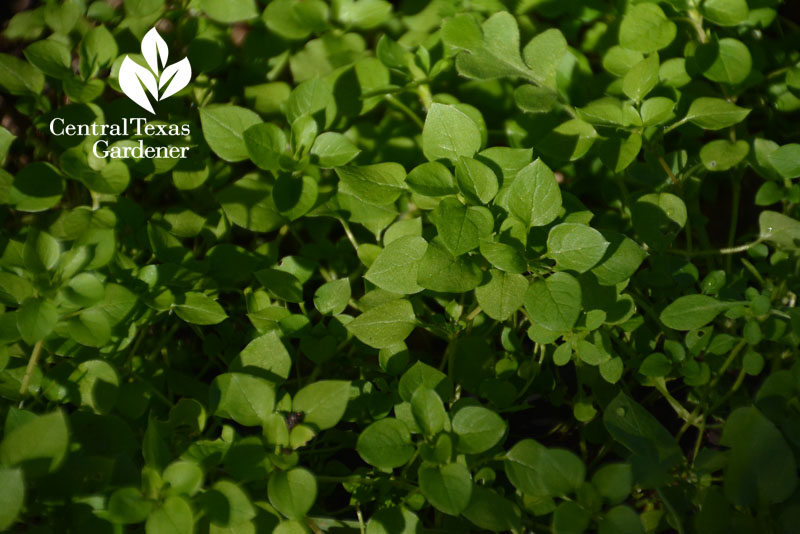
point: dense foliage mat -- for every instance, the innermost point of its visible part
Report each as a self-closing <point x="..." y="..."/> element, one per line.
<point x="449" y="266"/>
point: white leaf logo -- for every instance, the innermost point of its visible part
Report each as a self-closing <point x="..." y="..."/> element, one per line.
<point x="134" y="79"/>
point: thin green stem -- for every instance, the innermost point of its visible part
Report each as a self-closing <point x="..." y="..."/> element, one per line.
<point x="405" y="110"/>
<point x="715" y="252"/>
<point x="26" y="379"/>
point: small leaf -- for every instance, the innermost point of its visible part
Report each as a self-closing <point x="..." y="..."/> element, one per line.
<point x="332" y="297"/>
<point x="502" y="295"/>
<point x="478" y="429"/>
<point x="12" y="495"/>
<point x="779" y="229"/>
<point x="246" y="399"/>
<point x="333" y="150"/>
<point x="715" y="113"/>
<point x="722" y="155"/>
<point x="322" y="403"/>
<point x="786" y="160"/>
<point x="535" y="196"/>
<point x="174" y="516"/>
<point x="384" y="325"/>
<point x="39" y="444"/>
<point x="725" y="12"/>
<point x="645" y="28"/>
<point x="223" y="128"/>
<point x="386" y="444"/>
<point x="449" y="133"/>
<point x="448" y="488"/>
<point x="761" y="465"/>
<point x="641" y="78"/>
<point x="198" y="308"/>
<point x="575" y="247"/>
<point x="555" y="302"/>
<point x="693" y="311"/>
<point x="36" y="318"/>
<point x="397" y="266"/>
<point x="543" y="54"/>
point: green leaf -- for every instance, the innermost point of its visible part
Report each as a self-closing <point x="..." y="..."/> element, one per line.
<point x="397" y="266"/>
<point x="332" y="149"/>
<point x="502" y="295"/>
<point x="535" y="196"/>
<point x="37" y="187"/>
<point x="761" y="466"/>
<point x="620" y="261"/>
<point x="498" y="55"/>
<point x="722" y="155"/>
<point x="322" y="403"/>
<point x="658" y="217"/>
<point x="543" y="54"/>
<point x="386" y="444"/>
<point x="440" y="271"/>
<point x="431" y="179"/>
<point x="476" y="180"/>
<point x="656" y="110"/>
<point x="555" y="302"/>
<point x="17" y="77"/>
<point x="505" y="257"/>
<point x="570" y="518"/>
<point x="174" y="516"/>
<point x="184" y="478"/>
<point x="331" y="298"/>
<point x="693" y="311"/>
<point x="39" y="445"/>
<point x="384" y="325"/>
<point x="645" y="28"/>
<point x="223" y="128"/>
<point x="98" y="385"/>
<point x="460" y="227"/>
<point x="725" y="12"/>
<point x="732" y="62"/>
<point x="198" y="308"/>
<point x="575" y="247"/>
<point x="51" y="57"/>
<point x="614" y="482"/>
<point x="36" y="319"/>
<point x="265" y="144"/>
<point x="265" y="356"/>
<point x="12" y="495"/>
<point x="128" y="506"/>
<point x="379" y="184"/>
<point x="295" y="20"/>
<point x="538" y="471"/>
<point x="786" y="160"/>
<point x="421" y="374"/>
<point x="617" y="153"/>
<point x="715" y="113"/>
<point x="641" y="78"/>
<point x="640" y="432"/>
<point x="394" y="520"/>
<point x="226" y="505"/>
<point x="428" y="411"/>
<point x="449" y="133"/>
<point x="490" y="511"/>
<point x="532" y="99"/>
<point x="779" y="229"/>
<point x="281" y="284"/>
<point x="462" y="32"/>
<point x="478" y="429"/>
<point x="246" y="399"/>
<point x="621" y="520"/>
<point x="448" y="488"/>
<point x="232" y="11"/>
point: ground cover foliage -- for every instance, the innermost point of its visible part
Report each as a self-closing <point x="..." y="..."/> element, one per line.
<point x="430" y="267"/>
